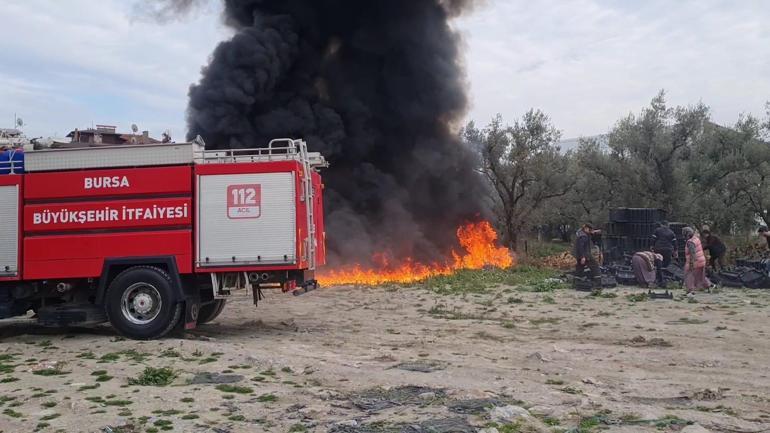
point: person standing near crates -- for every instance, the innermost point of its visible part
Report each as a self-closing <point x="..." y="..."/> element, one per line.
<point x="584" y="254"/>
<point x="664" y="243"/>
<point x="716" y="249"/>
<point x="695" y="263"/>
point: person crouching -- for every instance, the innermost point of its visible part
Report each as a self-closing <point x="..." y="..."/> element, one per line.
<point x="645" y="264"/>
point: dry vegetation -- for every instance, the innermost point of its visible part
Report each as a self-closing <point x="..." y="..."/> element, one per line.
<point x="516" y="352"/>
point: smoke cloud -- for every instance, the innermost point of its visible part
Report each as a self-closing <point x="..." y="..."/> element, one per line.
<point x="377" y="87"/>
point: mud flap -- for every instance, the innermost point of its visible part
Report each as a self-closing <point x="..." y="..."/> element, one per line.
<point x="192" y="307"/>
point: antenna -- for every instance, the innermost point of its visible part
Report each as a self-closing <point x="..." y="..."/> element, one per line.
<point x="134" y="128"/>
<point x="19" y="122"/>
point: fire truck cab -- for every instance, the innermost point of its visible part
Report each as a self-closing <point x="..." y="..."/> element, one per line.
<point x="151" y="237"/>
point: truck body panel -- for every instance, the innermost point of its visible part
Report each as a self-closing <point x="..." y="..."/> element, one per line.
<point x="210" y="221"/>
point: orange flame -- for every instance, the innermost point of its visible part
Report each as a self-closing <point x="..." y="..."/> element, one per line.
<point x="479" y="240"/>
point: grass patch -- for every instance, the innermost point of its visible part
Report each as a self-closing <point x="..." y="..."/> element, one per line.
<point x="12" y="413"/>
<point x="545" y="320"/>
<point x="571" y="390"/>
<point x="48" y="404"/>
<point x="8" y="379"/>
<point x="169" y="412"/>
<point x="50" y="417"/>
<point x="234" y="389"/>
<point x="154" y="377"/>
<point x="103" y="378"/>
<point x="554" y="382"/>
<point x="479" y="281"/>
<point x="637" y="297"/>
<point x="237" y="418"/>
<point x="187" y="400"/>
<point x="89" y="387"/>
<point x="6" y="368"/>
<point x="109" y="357"/>
<point x="119" y="403"/>
<point x="190" y="416"/>
<point x="298" y="428"/>
<point x="441" y="312"/>
<point x="505" y="428"/>
<point x="266" y="398"/>
<point x="170" y="353"/>
<point x="86" y="355"/>
<point x="163" y="424"/>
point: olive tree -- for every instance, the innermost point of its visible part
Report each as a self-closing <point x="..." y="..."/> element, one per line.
<point x="524" y="167"/>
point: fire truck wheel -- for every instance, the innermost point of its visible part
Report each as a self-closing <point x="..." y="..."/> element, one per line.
<point x="139" y="303"/>
<point x="211" y="311"/>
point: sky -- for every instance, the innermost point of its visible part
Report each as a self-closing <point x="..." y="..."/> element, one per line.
<point x="586" y="63"/>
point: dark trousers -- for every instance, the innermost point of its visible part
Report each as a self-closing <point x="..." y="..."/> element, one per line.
<point x="714" y="259"/>
<point x="666" y="262"/>
<point x="592" y="265"/>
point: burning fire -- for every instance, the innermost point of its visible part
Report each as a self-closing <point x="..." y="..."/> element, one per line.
<point x="479" y="240"/>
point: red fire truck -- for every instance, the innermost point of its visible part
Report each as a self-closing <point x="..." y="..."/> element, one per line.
<point x="156" y="236"/>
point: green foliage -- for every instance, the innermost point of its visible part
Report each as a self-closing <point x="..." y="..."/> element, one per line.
<point x="234" y="389"/>
<point x="539" y="250"/>
<point x="12" y="413"/>
<point x="479" y="281"/>
<point x="675" y="158"/>
<point x="637" y="297"/>
<point x="265" y="398"/>
<point x="154" y="377"/>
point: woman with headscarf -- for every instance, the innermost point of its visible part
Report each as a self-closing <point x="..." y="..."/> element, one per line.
<point x="695" y="262"/>
<point x="644" y="264"/>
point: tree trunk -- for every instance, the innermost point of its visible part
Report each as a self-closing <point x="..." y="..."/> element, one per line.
<point x="511" y="232"/>
<point x="513" y="239"/>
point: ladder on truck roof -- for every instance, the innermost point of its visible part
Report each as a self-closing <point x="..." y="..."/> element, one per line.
<point x="92" y="157"/>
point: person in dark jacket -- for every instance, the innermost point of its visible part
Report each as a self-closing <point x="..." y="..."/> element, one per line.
<point x="716" y="249"/>
<point x="664" y="243"/>
<point x="584" y="254"/>
<point x="765" y="233"/>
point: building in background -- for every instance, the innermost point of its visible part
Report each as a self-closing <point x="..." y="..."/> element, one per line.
<point x="107" y="135"/>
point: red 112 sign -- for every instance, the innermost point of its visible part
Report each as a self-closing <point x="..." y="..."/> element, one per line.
<point x="244" y="201"/>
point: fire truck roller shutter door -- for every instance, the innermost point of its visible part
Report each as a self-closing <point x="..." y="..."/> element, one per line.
<point x="141" y="304"/>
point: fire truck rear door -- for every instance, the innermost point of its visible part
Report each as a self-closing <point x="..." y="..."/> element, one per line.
<point x="9" y="230"/>
<point x="246" y="219"/>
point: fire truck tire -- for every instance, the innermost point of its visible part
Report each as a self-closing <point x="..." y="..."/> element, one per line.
<point x="140" y="303"/>
<point x="211" y="311"/>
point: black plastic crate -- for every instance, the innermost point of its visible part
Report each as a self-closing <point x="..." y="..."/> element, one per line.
<point x="637" y="215"/>
<point x="619" y="215"/>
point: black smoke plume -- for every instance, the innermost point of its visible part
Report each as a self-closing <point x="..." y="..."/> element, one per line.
<point x="378" y="87"/>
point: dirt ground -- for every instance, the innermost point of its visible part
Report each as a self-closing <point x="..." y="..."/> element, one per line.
<point x="371" y="360"/>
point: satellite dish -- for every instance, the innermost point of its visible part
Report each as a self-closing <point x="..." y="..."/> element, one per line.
<point x="134" y="128"/>
<point x="19" y="122"/>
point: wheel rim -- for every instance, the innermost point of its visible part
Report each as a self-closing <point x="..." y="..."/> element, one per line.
<point x="141" y="303"/>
